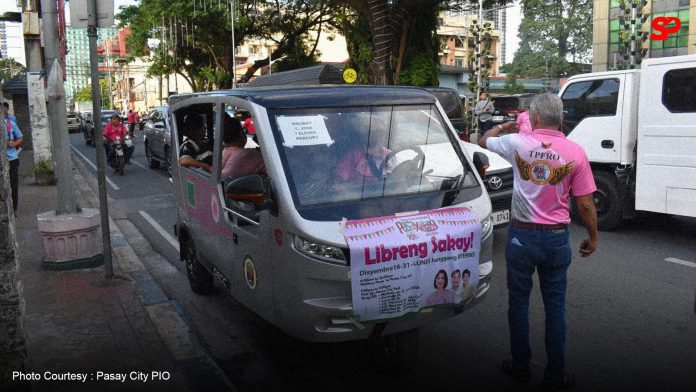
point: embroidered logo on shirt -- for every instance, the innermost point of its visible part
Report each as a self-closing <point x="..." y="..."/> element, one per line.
<point x="541" y="172"/>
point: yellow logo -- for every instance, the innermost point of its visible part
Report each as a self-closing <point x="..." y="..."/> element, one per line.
<point x="349" y="75"/>
<point x="541" y="172"/>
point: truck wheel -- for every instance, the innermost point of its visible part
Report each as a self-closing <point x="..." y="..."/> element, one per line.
<point x="402" y="349"/>
<point x="608" y="201"/>
<point x="200" y="279"/>
<point x="151" y="161"/>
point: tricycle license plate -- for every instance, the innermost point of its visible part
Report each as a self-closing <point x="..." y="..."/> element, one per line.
<point x="500" y="217"/>
<point x="498" y="118"/>
<point x="119" y="152"/>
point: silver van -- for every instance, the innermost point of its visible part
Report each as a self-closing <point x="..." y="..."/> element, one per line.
<point x="280" y="240"/>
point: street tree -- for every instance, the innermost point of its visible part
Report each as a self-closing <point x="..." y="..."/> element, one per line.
<point x="395" y="41"/>
<point x="9" y="67"/>
<point x="554" y="36"/>
<point x="193" y="38"/>
<point x="85" y="93"/>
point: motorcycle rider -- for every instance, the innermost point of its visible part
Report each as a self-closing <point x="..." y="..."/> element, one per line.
<point x="112" y="130"/>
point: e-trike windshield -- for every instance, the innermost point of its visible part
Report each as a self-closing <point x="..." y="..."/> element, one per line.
<point x="369" y="161"/>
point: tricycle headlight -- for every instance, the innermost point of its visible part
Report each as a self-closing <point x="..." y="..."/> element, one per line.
<point x="486" y="227"/>
<point x="317" y="250"/>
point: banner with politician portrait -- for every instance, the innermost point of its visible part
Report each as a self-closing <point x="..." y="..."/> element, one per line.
<point x="401" y="264"/>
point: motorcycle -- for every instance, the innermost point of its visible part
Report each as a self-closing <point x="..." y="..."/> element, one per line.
<point x="120" y="146"/>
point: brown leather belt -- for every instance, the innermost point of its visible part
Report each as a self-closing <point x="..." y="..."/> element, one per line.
<point x="539" y="226"/>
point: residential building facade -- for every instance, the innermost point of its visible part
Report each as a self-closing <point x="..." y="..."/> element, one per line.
<point x="606" y="42"/>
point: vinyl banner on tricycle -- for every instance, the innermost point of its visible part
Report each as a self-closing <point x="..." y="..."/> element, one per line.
<point x="400" y="264"/>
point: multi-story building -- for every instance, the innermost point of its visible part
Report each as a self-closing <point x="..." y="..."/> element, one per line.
<point x="458" y="43"/>
<point x="12" y="41"/>
<point x="77" y="59"/>
<point x="606" y="42"/>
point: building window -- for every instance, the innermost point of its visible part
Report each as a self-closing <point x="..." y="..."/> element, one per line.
<point x="614" y="38"/>
<point x="679" y="90"/>
<point x="679" y="39"/>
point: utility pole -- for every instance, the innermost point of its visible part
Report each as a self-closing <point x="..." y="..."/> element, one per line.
<point x="96" y="118"/>
<point x="57" y="117"/>
<point x="40" y="136"/>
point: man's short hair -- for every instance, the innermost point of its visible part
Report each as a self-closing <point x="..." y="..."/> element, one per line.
<point x="193" y="120"/>
<point x="455" y="272"/>
<point x="232" y="130"/>
<point x="549" y="108"/>
<point x="6" y="105"/>
<point x="466" y="272"/>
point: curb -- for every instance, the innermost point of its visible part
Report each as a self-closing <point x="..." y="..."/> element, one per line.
<point x="186" y="350"/>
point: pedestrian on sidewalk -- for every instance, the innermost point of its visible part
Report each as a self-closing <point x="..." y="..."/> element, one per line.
<point x="546" y="167"/>
<point x="14" y="141"/>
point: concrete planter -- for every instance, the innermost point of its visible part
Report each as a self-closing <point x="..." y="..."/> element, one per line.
<point x="71" y="240"/>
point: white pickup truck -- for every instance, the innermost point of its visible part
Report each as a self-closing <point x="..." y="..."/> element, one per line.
<point x="638" y="128"/>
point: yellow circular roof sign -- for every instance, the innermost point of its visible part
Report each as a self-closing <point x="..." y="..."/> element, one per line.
<point x="349" y="75"/>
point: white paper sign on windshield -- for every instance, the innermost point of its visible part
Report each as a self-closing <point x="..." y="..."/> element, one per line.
<point x="304" y="131"/>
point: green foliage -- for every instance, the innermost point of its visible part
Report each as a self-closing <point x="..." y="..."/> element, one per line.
<point x="421" y="71"/>
<point x="511" y="85"/>
<point x="558" y="31"/>
<point x="197" y="44"/>
<point x="85" y="94"/>
<point x="359" y="44"/>
<point x="7" y="64"/>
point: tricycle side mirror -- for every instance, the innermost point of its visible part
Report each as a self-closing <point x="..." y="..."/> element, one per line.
<point x="481" y="163"/>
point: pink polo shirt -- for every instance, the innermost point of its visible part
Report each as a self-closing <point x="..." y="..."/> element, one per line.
<point x="354" y="166"/>
<point x="238" y="162"/>
<point x="523" y="123"/>
<point x="547" y="167"/>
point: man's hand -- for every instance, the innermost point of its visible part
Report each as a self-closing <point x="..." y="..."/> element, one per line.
<point x="587" y="247"/>
<point x="588" y="215"/>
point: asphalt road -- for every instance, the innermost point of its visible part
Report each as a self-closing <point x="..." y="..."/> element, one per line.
<point x="630" y="312"/>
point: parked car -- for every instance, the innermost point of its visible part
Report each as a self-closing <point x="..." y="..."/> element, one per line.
<point x="498" y="180"/>
<point x="454" y="107"/>
<point x="157" y="138"/>
<point x="88" y="124"/>
<point x="507" y="107"/>
<point x="498" y="177"/>
<point x="73" y="122"/>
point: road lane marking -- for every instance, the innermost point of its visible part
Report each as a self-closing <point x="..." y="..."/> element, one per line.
<point x="680" y="261"/>
<point x="138" y="163"/>
<point x="95" y="168"/>
<point x="172" y="241"/>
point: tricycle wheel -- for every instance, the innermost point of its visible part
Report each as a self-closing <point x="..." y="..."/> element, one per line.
<point x="401" y="349"/>
<point x="200" y="279"/>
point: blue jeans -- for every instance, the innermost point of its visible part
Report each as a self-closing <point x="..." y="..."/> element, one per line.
<point x="547" y="251"/>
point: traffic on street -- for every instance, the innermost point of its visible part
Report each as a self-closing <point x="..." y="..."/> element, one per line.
<point x="629" y="309"/>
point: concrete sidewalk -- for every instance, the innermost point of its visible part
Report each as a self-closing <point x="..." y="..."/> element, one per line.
<point x="118" y="334"/>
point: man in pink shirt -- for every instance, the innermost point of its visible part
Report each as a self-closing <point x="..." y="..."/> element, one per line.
<point x="547" y="168"/>
<point x="238" y="161"/>
<point x="131" y="122"/>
